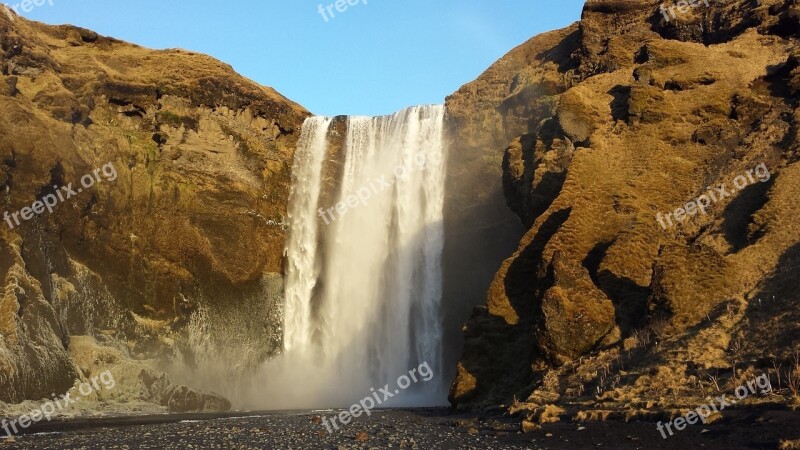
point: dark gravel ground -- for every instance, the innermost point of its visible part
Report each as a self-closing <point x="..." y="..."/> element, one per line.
<point x="433" y="428"/>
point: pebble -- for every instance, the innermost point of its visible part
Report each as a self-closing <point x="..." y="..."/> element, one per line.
<point x="405" y="429"/>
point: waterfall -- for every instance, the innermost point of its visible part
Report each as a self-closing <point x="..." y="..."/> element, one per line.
<point x="302" y="246"/>
<point x="363" y="282"/>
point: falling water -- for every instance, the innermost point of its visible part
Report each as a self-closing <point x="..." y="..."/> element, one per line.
<point x="364" y="276"/>
<point x="302" y="273"/>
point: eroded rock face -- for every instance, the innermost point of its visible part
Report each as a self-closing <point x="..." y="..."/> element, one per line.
<point x="609" y="122"/>
<point x="131" y="382"/>
<point x="181" y="236"/>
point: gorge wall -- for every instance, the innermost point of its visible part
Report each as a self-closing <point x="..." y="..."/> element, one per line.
<point x="179" y="258"/>
<point x="605" y="124"/>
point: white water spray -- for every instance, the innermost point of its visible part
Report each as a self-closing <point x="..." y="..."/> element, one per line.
<point x="364" y="279"/>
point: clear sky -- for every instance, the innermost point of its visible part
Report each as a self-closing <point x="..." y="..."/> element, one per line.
<point x="372" y="59"/>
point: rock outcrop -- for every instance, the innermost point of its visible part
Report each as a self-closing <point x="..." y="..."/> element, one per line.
<point x="176" y="251"/>
<point x="608" y="123"/>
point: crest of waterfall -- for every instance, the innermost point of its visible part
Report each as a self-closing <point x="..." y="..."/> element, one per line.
<point x="363" y="282"/>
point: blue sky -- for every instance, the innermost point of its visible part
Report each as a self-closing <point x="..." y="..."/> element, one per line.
<point x="374" y="58"/>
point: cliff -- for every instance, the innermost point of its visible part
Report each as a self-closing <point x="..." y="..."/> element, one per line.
<point x="171" y="252"/>
<point x="603" y="129"/>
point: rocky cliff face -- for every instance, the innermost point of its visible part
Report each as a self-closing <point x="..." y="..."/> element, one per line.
<point x="629" y="113"/>
<point x="174" y="248"/>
